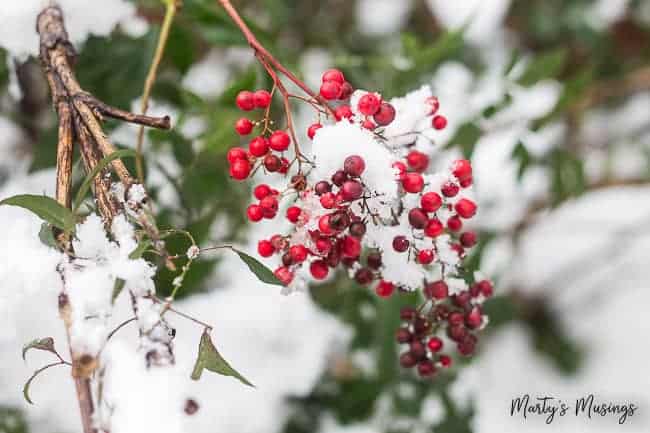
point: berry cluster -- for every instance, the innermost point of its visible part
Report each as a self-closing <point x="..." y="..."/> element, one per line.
<point x="371" y="204"/>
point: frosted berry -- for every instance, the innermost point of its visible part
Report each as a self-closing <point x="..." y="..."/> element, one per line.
<point x="400" y="244"/>
<point x="418" y="161"/>
<point x="265" y="248"/>
<point x="462" y="169"/>
<point x="369" y="104"/>
<point x="330" y="90"/>
<point x="284" y="274"/>
<point x="434" y="228"/>
<point x="369" y="125"/>
<point x="245" y="100"/>
<point x="311" y="131"/>
<point x="351" y="190"/>
<point x="298" y="253"/>
<point x="431" y="201"/>
<point x="439" y="122"/>
<point x="385" y="115"/>
<point x="465" y="208"/>
<point x="413" y="182"/>
<point x="318" y="269"/>
<point x="343" y="112"/>
<point x="346" y="91"/>
<point x="254" y="212"/>
<point x="449" y="189"/>
<point x="269" y="205"/>
<point x="236" y="153"/>
<point x="351" y="247"/>
<point x="354" y="165"/>
<point x="432" y="105"/>
<point x="385" y="289"/>
<point x="333" y="75"/>
<point x="259" y="146"/>
<point x="240" y="169"/>
<point x="418" y="218"/>
<point x="284" y="165"/>
<point x="279" y="141"/>
<point x="262" y="99"/>
<point x="436" y="290"/>
<point x="243" y="126"/>
<point x="261" y="191"/>
<point x="293" y="214"/>
<point x="468" y="239"/>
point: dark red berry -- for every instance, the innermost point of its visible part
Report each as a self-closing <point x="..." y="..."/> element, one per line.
<point x="418" y="350"/>
<point x="191" y="406"/>
<point x="322" y="187"/>
<point x="418" y="218"/>
<point x="374" y="259"/>
<point x="346" y="91"/>
<point x="468" y="239"/>
<point x="445" y="361"/>
<point x="272" y="163"/>
<point x="339" y="177"/>
<point x="486" y="288"/>
<point x="351" y="190"/>
<point x="407" y="313"/>
<point x="426" y="368"/>
<point x="318" y="269"/>
<point x="474" y="318"/>
<point x="400" y="244"/>
<point x="454" y="223"/>
<point x="358" y="229"/>
<point x="407" y="360"/>
<point x="385" y="115"/>
<point x="436" y="290"/>
<point x="403" y="335"/>
<point x="363" y="276"/>
<point x="354" y="165"/>
<point x="351" y="247"/>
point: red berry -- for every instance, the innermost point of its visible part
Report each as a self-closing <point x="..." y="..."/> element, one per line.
<point x="322" y="187"/>
<point x="467" y="345"/>
<point x="358" y="229"/>
<point x="418" y="218"/>
<point x="311" y="131"/>
<point x="279" y="141"/>
<point x="284" y="165"/>
<point x="323" y="245"/>
<point x="364" y="276"/>
<point x="369" y="125"/>
<point x="330" y="90"/>
<point x="468" y="239"/>
<point x="413" y="182"/>
<point x="431" y="201"/>
<point x="269" y="205"/>
<point x="333" y="75"/>
<point x="403" y="335"/>
<point x="435" y="344"/>
<point x="456" y="318"/>
<point x="351" y="190"/>
<point x="401" y="169"/>
<point x="354" y="165"/>
<point x="385" y="115"/>
<point x="343" y="112"/>
<point x="449" y="189"/>
<point x="434" y="228"/>
<point x="418" y="161"/>
<point x="293" y="213"/>
<point x="254" y="212"/>
<point x="418" y="350"/>
<point x="369" y="104"/>
<point x="265" y="248"/>
<point x="236" y="153"/>
<point x="284" y="274"/>
<point x="262" y="99"/>
<point x="436" y="290"/>
<point x="245" y="100"/>
<point x="243" y="126"/>
<point x="462" y="169"/>
<point x="486" y="288"/>
<point x="298" y="253"/>
<point x="466" y="183"/>
<point x="426" y="368"/>
<point x="240" y="169"/>
<point x="346" y="91"/>
<point x="454" y="223"/>
<point x="351" y="247"/>
<point x="272" y="163"/>
<point x="439" y="122"/>
<point x="261" y="191"/>
<point x="432" y="104"/>
<point x="278" y="242"/>
<point x="474" y="318"/>
<point x="445" y="361"/>
<point x="465" y="208"/>
<point x="328" y="200"/>
<point x="400" y="244"/>
<point x="259" y="146"/>
<point x="318" y="269"/>
<point x="425" y="257"/>
<point x="407" y="360"/>
<point x="324" y="225"/>
<point x="385" y="289"/>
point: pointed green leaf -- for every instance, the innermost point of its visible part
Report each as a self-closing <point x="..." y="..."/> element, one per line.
<point x="140" y="249"/>
<point x="546" y="65"/>
<point x="46" y="236"/>
<point x="263" y="273"/>
<point x="210" y="359"/>
<point x="117" y="289"/>
<point x="46" y="344"/>
<point x="85" y="186"/>
<point x="44" y="207"/>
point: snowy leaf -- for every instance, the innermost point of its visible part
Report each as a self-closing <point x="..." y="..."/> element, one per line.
<point x="210" y="359"/>
<point x="44" y="207"/>
<point x="46" y="344"/>
<point x="544" y="66"/>
<point x="117" y="289"/>
<point x="263" y="273"/>
<point x="85" y="186"/>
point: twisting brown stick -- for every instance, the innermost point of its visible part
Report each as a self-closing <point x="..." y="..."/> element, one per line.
<point x="80" y="116"/>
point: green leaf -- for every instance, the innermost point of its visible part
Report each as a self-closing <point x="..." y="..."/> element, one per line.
<point x="546" y="65"/>
<point x="140" y="249"/>
<point x="466" y="137"/>
<point x="46" y="344"/>
<point x="46" y="236"/>
<point x="210" y="359"/>
<point x="46" y="208"/>
<point x="85" y="186"/>
<point x="263" y="273"/>
<point x="117" y="288"/>
<point x="245" y="80"/>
